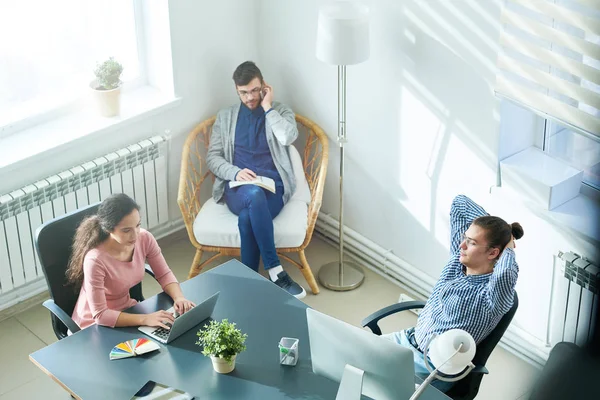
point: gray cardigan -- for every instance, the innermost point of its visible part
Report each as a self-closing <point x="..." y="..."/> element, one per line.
<point x="281" y="131"/>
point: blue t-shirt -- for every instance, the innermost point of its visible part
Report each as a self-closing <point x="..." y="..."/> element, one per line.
<point x="251" y="149"/>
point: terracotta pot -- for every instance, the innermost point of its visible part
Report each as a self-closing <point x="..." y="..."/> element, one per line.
<point x="107" y="101"/>
<point x="222" y="366"/>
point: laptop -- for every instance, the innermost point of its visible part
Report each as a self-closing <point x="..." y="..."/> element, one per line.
<point x="183" y="322"/>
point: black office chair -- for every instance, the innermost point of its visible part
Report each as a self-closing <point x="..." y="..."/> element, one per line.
<point x="53" y="241"/>
<point x="571" y="372"/>
<point x="466" y="388"/>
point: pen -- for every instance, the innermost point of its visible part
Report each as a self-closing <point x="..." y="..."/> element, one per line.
<point x="287" y="353"/>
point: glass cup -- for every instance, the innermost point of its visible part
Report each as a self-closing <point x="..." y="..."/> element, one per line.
<point x="288" y="351"/>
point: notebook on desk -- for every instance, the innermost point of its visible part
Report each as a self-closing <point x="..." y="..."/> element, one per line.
<point x="157" y="391"/>
<point x="183" y="322"/>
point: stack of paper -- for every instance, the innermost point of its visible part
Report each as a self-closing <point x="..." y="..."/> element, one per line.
<point x="132" y="348"/>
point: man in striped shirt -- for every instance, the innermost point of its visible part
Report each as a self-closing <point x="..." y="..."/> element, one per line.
<point x="476" y="287"/>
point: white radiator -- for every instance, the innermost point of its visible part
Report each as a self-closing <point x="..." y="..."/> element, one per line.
<point x="139" y="170"/>
<point x="574" y="304"/>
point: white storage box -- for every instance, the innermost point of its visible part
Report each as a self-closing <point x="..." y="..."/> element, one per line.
<point x="540" y="178"/>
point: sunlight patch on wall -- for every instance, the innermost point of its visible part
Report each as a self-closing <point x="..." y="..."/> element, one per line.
<point x="421" y="130"/>
<point x="465" y="165"/>
<point x="448" y="31"/>
<point x="465" y="171"/>
<point x="426" y="94"/>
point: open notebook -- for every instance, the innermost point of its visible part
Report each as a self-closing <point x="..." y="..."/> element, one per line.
<point x="262" y="181"/>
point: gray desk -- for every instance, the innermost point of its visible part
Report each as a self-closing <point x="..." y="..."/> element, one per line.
<point x="80" y="363"/>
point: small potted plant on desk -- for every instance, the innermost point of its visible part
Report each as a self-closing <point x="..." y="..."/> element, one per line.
<point x="222" y="341"/>
<point x="107" y="87"/>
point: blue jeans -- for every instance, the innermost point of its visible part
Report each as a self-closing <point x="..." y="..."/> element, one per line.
<point x="420" y="369"/>
<point x="256" y="208"/>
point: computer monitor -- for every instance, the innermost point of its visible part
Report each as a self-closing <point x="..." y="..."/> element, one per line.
<point x="389" y="372"/>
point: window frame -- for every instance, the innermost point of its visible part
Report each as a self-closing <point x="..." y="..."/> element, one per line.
<point x="541" y="141"/>
<point x="47" y="114"/>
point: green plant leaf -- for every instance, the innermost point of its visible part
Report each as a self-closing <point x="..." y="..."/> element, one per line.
<point x="221" y="339"/>
<point x="108" y="74"/>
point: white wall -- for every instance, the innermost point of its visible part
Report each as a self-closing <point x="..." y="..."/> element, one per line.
<point x="423" y="126"/>
<point x="422" y="117"/>
<point x="209" y="40"/>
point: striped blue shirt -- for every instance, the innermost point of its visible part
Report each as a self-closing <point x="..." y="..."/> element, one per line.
<point x="474" y="303"/>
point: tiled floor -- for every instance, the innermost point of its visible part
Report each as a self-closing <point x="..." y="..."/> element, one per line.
<point x="510" y="378"/>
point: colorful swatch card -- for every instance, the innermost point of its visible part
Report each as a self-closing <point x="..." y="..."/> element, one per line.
<point x="132" y="348"/>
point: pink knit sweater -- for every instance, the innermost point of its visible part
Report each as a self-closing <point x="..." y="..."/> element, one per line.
<point x="106" y="281"/>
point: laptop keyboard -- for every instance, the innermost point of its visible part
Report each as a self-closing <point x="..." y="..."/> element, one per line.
<point x="162" y="332"/>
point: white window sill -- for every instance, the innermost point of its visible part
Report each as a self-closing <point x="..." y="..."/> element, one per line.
<point x="541" y="178"/>
<point x="580" y="214"/>
<point x="552" y="190"/>
<point x="55" y="135"/>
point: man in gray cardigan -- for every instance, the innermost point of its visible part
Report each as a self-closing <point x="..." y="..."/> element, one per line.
<point x="251" y="139"/>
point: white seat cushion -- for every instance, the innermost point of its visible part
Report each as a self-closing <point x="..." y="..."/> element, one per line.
<point x="216" y="226"/>
<point x="302" y="192"/>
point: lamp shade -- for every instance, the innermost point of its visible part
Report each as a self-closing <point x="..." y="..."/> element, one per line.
<point x="443" y="346"/>
<point x="343" y="33"/>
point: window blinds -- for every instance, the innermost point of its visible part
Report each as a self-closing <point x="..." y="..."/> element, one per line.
<point x="550" y="59"/>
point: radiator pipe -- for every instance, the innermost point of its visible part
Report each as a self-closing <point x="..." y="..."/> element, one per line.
<point x="420" y="283"/>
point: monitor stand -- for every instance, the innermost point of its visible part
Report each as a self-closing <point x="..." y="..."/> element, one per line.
<point x="351" y="384"/>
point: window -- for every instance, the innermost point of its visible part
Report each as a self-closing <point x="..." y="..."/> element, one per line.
<point x="579" y="151"/>
<point x="49" y="50"/>
<point x="550" y="65"/>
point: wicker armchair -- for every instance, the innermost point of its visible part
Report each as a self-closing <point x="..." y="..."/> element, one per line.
<point x="312" y="143"/>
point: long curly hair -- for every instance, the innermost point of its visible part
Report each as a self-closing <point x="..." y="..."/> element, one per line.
<point x="94" y="230"/>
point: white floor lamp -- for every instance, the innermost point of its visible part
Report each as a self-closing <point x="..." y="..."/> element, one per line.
<point x="342" y="39"/>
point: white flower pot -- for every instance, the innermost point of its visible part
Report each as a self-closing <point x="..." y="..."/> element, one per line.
<point x="222" y="366"/>
<point x="107" y="101"/>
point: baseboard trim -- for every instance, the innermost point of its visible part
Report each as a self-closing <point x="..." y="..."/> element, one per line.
<point x="23" y="298"/>
<point x="167" y="229"/>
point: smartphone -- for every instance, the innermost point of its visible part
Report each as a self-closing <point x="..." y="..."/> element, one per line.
<point x="263" y="93"/>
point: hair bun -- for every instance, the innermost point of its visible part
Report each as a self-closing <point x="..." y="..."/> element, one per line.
<point x="517" y="230"/>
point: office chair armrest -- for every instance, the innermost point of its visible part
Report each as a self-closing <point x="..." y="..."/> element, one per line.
<point x="479" y="369"/>
<point x="371" y="320"/>
<point x="149" y="271"/>
<point x="60" y="314"/>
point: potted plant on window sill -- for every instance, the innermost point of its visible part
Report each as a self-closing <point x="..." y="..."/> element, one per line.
<point x="222" y="342"/>
<point x="107" y="87"/>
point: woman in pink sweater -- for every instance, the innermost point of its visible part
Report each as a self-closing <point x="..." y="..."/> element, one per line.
<point x="109" y="255"/>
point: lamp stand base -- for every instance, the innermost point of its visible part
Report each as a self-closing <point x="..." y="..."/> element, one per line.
<point x="329" y="276"/>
